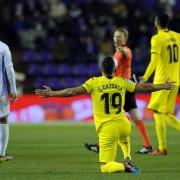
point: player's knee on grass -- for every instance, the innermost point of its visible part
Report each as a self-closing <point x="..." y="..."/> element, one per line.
<point x="112" y="167"/>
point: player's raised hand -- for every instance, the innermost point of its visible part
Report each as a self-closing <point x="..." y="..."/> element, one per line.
<point x="46" y="92"/>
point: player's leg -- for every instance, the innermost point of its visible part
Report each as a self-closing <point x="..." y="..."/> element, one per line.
<point x="142" y="130"/>
<point x="158" y="103"/>
<point x="171" y="119"/>
<point x="4" y="128"/>
<point x="124" y="138"/>
<point x="109" y="135"/>
<point x="4" y="136"/>
<point x="124" y="142"/>
<point x="125" y="146"/>
<point x="160" y="126"/>
<point x="131" y="107"/>
<point x="108" y="147"/>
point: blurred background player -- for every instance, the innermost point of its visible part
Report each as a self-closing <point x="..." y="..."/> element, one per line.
<point x="123" y="61"/>
<point x="112" y="125"/>
<point x="7" y="87"/>
<point x="165" y="61"/>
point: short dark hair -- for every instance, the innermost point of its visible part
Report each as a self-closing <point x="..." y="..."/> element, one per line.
<point x="107" y="65"/>
<point x="163" y="20"/>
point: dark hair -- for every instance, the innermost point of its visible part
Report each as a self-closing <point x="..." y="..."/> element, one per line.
<point x="163" y="20"/>
<point x="107" y="65"/>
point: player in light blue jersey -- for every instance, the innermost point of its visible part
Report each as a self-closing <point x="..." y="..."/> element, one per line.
<point x="7" y="88"/>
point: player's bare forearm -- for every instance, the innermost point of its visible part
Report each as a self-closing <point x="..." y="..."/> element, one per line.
<point x="68" y="92"/>
<point x="149" y="87"/>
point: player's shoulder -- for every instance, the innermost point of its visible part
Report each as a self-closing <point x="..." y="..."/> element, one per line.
<point x="171" y="31"/>
<point x="3" y="46"/>
<point x="127" y="80"/>
<point x="155" y="36"/>
<point x="95" y="78"/>
<point x="120" y="79"/>
<point x="175" y="33"/>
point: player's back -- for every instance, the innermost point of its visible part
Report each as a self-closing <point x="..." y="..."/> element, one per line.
<point x="108" y="97"/>
<point x="167" y="44"/>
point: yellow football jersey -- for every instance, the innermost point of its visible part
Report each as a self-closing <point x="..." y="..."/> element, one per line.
<point x="108" y="97"/>
<point x="167" y="44"/>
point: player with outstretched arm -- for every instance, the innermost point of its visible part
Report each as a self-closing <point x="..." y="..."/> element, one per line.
<point x="123" y="63"/>
<point x="112" y="125"/>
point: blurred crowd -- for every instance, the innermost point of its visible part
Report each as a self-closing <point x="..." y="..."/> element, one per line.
<point x="55" y="42"/>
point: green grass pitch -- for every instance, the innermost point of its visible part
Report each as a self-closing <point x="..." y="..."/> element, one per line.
<point x="56" y="151"/>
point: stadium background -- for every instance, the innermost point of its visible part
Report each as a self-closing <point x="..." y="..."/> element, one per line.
<point x="59" y="43"/>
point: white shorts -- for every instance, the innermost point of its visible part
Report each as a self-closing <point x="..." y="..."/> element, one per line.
<point x="4" y="106"/>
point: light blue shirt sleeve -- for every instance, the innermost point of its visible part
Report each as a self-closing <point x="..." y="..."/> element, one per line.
<point x="9" y="69"/>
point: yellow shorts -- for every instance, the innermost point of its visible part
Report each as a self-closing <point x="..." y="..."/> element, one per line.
<point x="163" y="101"/>
<point x="109" y="135"/>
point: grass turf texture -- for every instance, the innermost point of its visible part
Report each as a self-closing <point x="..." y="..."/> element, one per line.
<point x="56" y="151"/>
